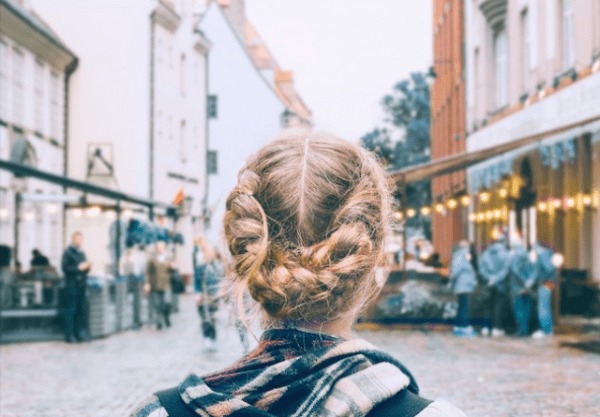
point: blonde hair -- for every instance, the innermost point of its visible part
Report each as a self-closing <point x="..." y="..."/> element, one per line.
<point x="305" y="226"/>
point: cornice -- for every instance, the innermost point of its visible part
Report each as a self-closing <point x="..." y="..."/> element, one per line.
<point x="166" y="17"/>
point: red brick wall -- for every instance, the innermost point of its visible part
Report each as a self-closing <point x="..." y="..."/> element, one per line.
<point x="447" y="117"/>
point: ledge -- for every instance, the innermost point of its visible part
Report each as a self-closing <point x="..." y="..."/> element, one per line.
<point x="494" y="12"/>
<point x="166" y="17"/>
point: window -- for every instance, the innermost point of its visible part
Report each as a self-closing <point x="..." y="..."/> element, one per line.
<point x="182" y="74"/>
<point x="182" y="143"/>
<point x="55" y="96"/>
<point x="568" y="42"/>
<point x="211" y="162"/>
<point x="159" y="126"/>
<point x="171" y="128"/>
<point x="501" y="67"/>
<point x="38" y="100"/>
<point x="211" y="106"/>
<point x="195" y="138"/>
<point x="159" y="50"/>
<point x="171" y="56"/>
<point x="18" y="68"/>
<point x="526" y="50"/>
<point x="4" y="80"/>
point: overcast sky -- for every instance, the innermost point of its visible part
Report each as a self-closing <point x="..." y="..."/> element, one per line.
<point x="346" y="54"/>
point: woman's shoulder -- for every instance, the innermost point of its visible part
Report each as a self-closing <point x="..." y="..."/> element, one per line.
<point x="150" y="407"/>
<point x="441" y="408"/>
<point x="405" y="404"/>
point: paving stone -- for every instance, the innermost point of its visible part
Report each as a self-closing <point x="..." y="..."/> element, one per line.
<point x="483" y="376"/>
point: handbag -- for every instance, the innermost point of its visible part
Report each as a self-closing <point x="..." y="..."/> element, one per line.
<point x="177" y="284"/>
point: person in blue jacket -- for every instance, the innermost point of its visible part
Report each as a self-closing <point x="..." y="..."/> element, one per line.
<point x="522" y="283"/>
<point x="494" y="268"/>
<point x="463" y="281"/>
<point x="546" y="282"/>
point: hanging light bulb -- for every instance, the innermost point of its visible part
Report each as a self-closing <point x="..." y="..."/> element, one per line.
<point x="127" y="213"/>
<point x="110" y="215"/>
<point x="569" y="202"/>
<point x="503" y="193"/>
<point x="439" y="207"/>
<point x="4" y="213"/>
<point x="497" y="214"/>
<point x="452" y="203"/>
<point x="77" y="212"/>
<point x="465" y="200"/>
<point x="489" y="215"/>
<point x="557" y="260"/>
<point x="542" y="206"/>
<point x="93" y="211"/>
<point x="484" y="196"/>
<point x="411" y="213"/>
<point x="473" y="217"/>
<point x="480" y="217"/>
<point x="425" y="211"/>
<point x="557" y="203"/>
<point x="29" y="216"/>
<point x="587" y="200"/>
<point x="495" y="234"/>
<point x="398" y="216"/>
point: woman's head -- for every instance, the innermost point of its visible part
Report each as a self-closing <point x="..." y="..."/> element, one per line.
<point x="306" y="225"/>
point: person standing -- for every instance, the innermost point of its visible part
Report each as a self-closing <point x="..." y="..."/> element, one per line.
<point x="546" y="282"/>
<point x="462" y="283"/>
<point x="522" y="281"/>
<point x="75" y="268"/>
<point x="208" y="297"/>
<point x="158" y="284"/>
<point x="494" y="268"/>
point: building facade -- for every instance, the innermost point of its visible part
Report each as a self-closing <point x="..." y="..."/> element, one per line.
<point x="447" y="121"/>
<point x="251" y="102"/>
<point x="35" y="66"/>
<point x="138" y="111"/>
<point x="532" y="71"/>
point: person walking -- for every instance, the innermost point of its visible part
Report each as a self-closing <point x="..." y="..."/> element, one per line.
<point x="305" y="226"/>
<point x="521" y="282"/>
<point x="494" y="268"/>
<point x="463" y="281"/>
<point x="208" y="294"/>
<point x="75" y="268"/>
<point x="158" y="284"/>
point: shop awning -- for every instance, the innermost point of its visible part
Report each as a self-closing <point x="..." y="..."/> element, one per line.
<point x="83" y="186"/>
<point x="465" y="160"/>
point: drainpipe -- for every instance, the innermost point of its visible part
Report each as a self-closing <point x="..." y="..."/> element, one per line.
<point x="207" y="140"/>
<point x="68" y="72"/>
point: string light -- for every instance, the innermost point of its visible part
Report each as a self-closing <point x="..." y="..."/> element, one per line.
<point x="465" y="200"/>
<point x="557" y="203"/>
<point x="569" y="202"/>
<point x="497" y="214"/>
<point x="596" y="199"/>
<point x="4" y="213"/>
<point x="411" y="213"/>
<point x="495" y="234"/>
<point x="480" y="217"/>
<point x="542" y="206"/>
<point x="29" y="216"/>
<point x="452" y="204"/>
<point x="484" y="197"/>
<point x="503" y="193"/>
<point x="127" y="213"/>
<point x="93" y="211"/>
<point x="77" y="212"/>
<point x="425" y="211"/>
<point x="489" y="215"/>
<point x="587" y="200"/>
<point x="472" y="217"/>
<point x="439" y="207"/>
<point x="110" y="215"/>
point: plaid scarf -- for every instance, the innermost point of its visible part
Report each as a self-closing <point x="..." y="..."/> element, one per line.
<point x="299" y="373"/>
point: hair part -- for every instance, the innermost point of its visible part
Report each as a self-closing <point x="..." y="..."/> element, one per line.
<point x="306" y="225"/>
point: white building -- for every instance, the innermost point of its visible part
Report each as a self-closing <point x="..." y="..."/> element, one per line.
<point x="532" y="69"/>
<point x="139" y="99"/>
<point x="248" y="108"/>
<point x="35" y="66"/>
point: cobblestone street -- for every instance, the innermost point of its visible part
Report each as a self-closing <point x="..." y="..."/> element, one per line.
<point x="483" y="376"/>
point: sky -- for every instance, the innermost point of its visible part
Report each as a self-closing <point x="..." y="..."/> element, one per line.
<point x="346" y="54"/>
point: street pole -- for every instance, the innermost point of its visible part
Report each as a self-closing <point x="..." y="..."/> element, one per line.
<point x="17" y="225"/>
<point x="404" y="202"/>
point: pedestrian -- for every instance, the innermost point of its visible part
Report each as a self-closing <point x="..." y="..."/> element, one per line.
<point x="546" y="277"/>
<point x="208" y="294"/>
<point x="75" y="268"/>
<point x="7" y="279"/>
<point x="37" y="259"/>
<point x="463" y="281"/>
<point x="305" y="226"/>
<point x="133" y="267"/>
<point x="158" y="284"/>
<point x="522" y="281"/>
<point x="494" y="268"/>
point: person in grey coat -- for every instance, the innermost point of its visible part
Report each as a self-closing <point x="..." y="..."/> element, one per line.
<point x="546" y="277"/>
<point x="462" y="283"/>
<point x="494" y="268"/>
<point x="521" y="283"/>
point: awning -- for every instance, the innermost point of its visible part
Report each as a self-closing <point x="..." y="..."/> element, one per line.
<point x="86" y="187"/>
<point x="462" y="161"/>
